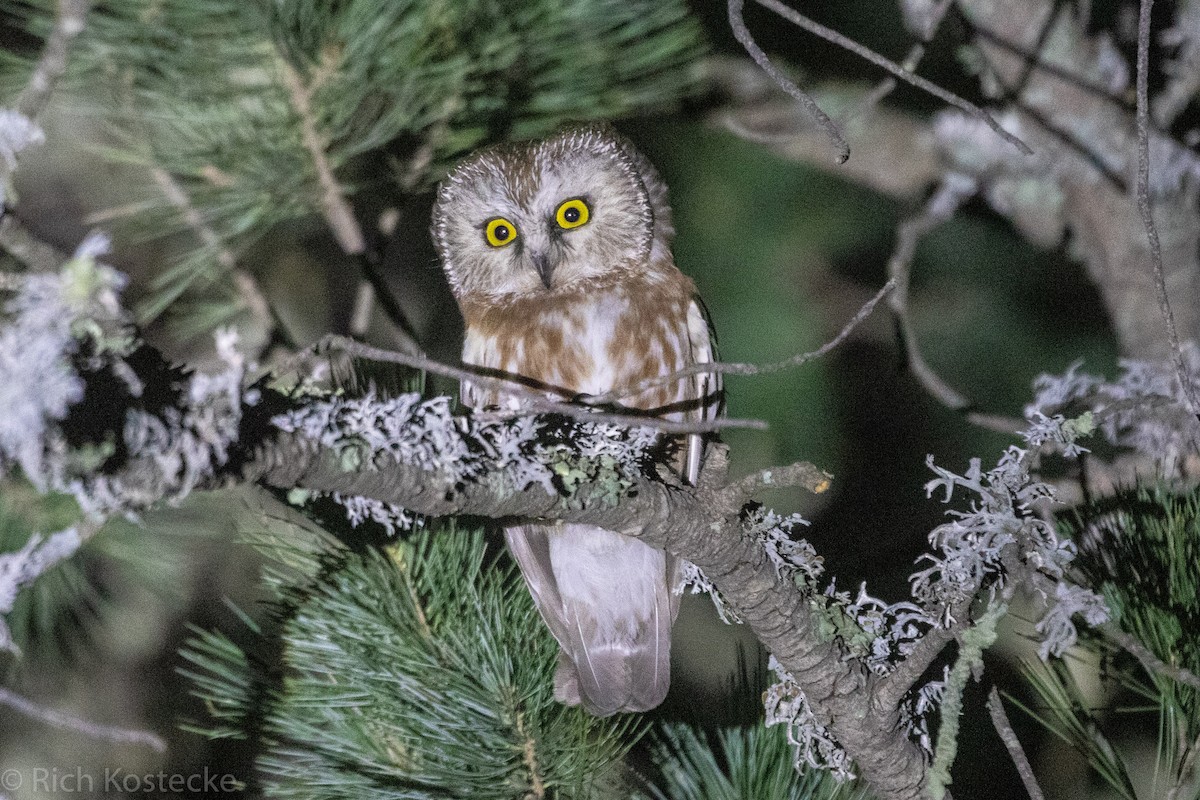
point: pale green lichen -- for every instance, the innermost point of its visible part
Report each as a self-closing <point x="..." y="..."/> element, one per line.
<point x="602" y="473"/>
<point x="973" y="642"/>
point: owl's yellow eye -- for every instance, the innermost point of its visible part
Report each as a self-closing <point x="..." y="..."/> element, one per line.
<point x="500" y="232"/>
<point x="572" y="213"/>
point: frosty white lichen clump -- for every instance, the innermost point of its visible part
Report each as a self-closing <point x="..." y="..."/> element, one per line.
<point x="1001" y="518"/>
<point x="512" y="454"/>
<point x="61" y="323"/>
<point x="524" y="451"/>
<point x="697" y="582"/>
<point x="791" y="555"/>
<point x="38" y="382"/>
<point x="889" y="631"/>
<point x="174" y="450"/>
<point x="1144" y="409"/>
<point x="362" y="509"/>
<point x="1057" y="628"/>
<point x="917" y="708"/>
<point x="815" y="746"/>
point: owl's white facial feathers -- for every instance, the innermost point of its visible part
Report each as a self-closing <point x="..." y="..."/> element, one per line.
<point x="525" y="184"/>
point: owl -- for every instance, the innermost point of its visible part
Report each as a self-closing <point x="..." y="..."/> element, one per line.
<point x="559" y="255"/>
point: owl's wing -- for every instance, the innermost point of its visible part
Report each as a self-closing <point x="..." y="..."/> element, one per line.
<point x="709" y="387"/>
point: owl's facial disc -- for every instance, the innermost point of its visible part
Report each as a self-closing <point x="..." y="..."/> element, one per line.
<point x="564" y="214"/>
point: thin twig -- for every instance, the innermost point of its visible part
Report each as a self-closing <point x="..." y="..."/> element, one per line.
<point x="52" y="65"/>
<point x="927" y="31"/>
<point x="1150" y="662"/>
<point x="735" y="368"/>
<point x="532" y="400"/>
<point x="1143" y="201"/>
<point x="954" y="190"/>
<point x="742" y="33"/>
<point x="887" y="85"/>
<point x="900" y="72"/>
<point x="801" y="474"/>
<point x="1035" y="63"/>
<point x="247" y="287"/>
<point x="65" y="721"/>
<point x="1013" y="744"/>
<point x="337" y="211"/>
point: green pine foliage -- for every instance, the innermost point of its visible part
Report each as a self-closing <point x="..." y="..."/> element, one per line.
<point x="747" y="763"/>
<point x="221" y="96"/>
<point x="416" y="671"/>
<point x="1140" y="548"/>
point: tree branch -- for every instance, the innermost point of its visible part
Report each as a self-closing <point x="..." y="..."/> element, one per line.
<point x="1007" y="735"/>
<point x="533" y="397"/>
<point x="742" y="33"/>
<point x="52" y="65"/>
<point x="1144" y="207"/>
<point x="70" y="722"/>
<point x="337" y="211"/>
<point x="700" y="524"/>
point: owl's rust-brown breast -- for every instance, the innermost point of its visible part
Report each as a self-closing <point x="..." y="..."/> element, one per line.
<point x="589" y="341"/>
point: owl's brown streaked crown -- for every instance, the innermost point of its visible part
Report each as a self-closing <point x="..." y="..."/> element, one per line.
<point x="523" y="184"/>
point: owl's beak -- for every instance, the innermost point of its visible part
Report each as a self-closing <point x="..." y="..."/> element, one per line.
<point x="544" y="267"/>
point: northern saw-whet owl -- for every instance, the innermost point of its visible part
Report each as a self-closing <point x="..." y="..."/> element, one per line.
<point x="559" y="254"/>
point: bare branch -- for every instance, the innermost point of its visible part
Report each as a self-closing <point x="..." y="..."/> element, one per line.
<point x="742" y="33"/>
<point x="736" y="368"/>
<point x="52" y="65"/>
<point x="801" y="474"/>
<point x="339" y="215"/>
<point x="1013" y="745"/>
<point x="533" y="401"/>
<point x="1144" y="207"/>
<point x="954" y="190"/>
<point x="70" y="722"/>
<point x="900" y="72"/>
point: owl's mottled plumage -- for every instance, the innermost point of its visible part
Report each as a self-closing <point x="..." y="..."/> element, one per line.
<point x="587" y="308"/>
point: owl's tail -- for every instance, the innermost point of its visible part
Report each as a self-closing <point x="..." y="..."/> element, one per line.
<point x="610" y="601"/>
<point x="613" y="679"/>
